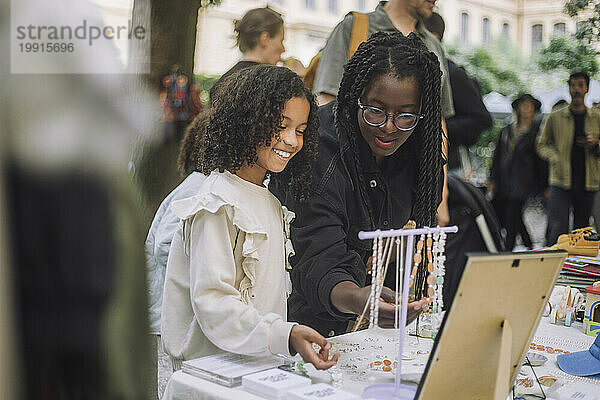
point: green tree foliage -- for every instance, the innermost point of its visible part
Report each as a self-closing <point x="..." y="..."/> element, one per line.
<point x="588" y="28"/>
<point x="569" y="55"/>
<point x="498" y="68"/>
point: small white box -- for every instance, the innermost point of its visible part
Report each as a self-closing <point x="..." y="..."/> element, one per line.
<point x="273" y="383"/>
<point x="320" y="391"/>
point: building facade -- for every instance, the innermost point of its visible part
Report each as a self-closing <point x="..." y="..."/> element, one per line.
<point x="527" y="23"/>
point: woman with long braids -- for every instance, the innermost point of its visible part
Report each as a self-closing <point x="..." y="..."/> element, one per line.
<point x="380" y="164"/>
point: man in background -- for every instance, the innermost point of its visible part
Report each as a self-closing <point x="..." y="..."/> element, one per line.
<point x="569" y="141"/>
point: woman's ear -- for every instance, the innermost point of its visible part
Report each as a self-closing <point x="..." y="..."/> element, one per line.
<point x="263" y="39"/>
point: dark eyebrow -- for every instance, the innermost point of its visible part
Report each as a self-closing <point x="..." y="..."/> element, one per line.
<point x="383" y="105"/>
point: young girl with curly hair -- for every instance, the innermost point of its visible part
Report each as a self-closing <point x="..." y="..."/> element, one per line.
<point x="380" y="164"/>
<point x="227" y="283"/>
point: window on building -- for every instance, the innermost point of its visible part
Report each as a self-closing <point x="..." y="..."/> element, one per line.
<point x="360" y="5"/>
<point x="560" y="28"/>
<point x="310" y="4"/>
<point x="333" y="6"/>
<point x="485" y="31"/>
<point x="464" y="28"/>
<point x="505" y="30"/>
<point x="537" y="37"/>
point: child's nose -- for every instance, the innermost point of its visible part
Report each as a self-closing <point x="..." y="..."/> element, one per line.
<point x="289" y="138"/>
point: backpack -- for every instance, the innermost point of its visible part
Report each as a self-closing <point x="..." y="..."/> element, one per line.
<point x="360" y="32"/>
<point x="179" y="98"/>
<point x="478" y="231"/>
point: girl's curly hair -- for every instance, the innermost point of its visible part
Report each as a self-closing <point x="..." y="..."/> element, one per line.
<point x="187" y="159"/>
<point x="247" y="113"/>
<point x="402" y="57"/>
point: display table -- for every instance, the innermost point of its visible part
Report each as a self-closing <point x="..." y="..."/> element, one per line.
<point x="361" y="349"/>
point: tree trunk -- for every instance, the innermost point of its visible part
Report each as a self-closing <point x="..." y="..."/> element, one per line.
<point x="173" y="37"/>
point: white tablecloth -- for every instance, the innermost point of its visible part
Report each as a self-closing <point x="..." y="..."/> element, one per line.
<point x="358" y="350"/>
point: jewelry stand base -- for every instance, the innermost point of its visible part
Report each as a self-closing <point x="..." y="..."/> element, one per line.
<point x="388" y="391"/>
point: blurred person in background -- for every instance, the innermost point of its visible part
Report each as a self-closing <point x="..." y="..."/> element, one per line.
<point x="259" y="36"/>
<point x="179" y="103"/>
<point x="596" y="206"/>
<point x="560" y="104"/>
<point x="73" y="229"/>
<point x="517" y="172"/>
<point x="569" y="141"/>
<point x="471" y="117"/>
<point x="158" y="241"/>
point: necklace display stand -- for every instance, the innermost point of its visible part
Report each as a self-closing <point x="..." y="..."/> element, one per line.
<point x="395" y="390"/>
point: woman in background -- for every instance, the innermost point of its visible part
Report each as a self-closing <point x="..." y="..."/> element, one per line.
<point x="517" y="172"/>
<point x="259" y="36"/>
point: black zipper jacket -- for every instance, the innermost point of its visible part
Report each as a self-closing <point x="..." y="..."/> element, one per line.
<point x="325" y="231"/>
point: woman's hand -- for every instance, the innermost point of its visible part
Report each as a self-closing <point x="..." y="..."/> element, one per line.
<point x="443" y="214"/>
<point x="301" y="340"/>
<point x="387" y="308"/>
<point x="347" y="297"/>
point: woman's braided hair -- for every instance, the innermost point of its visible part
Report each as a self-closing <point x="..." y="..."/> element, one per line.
<point x="402" y="57"/>
<point x="246" y="113"/>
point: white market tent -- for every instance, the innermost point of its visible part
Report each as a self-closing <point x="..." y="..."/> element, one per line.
<point x="500" y="106"/>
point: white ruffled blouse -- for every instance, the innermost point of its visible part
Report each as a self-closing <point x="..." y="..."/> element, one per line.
<point x="226" y="283"/>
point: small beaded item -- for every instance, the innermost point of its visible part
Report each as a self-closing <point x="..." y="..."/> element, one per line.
<point x="430" y="268"/>
<point x="375" y="279"/>
<point x="417" y="257"/>
<point x="439" y="270"/>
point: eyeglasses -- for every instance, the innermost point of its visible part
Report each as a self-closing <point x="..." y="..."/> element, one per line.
<point x="377" y="117"/>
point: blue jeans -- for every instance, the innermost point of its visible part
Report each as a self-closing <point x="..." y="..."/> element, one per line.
<point x="560" y="202"/>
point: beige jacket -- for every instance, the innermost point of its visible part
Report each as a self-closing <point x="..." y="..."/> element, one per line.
<point x="555" y="142"/>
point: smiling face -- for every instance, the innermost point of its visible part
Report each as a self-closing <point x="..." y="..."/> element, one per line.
<point x="394" y="96"/>
<point x="284" y="146"/>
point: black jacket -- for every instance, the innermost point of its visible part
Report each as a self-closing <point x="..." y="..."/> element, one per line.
<point x="325" y="231"/>
<point x="470" y="115"/>
<point x="517" y="171"/>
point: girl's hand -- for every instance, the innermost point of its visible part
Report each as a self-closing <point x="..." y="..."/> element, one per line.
<point x="301" y="340"/>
